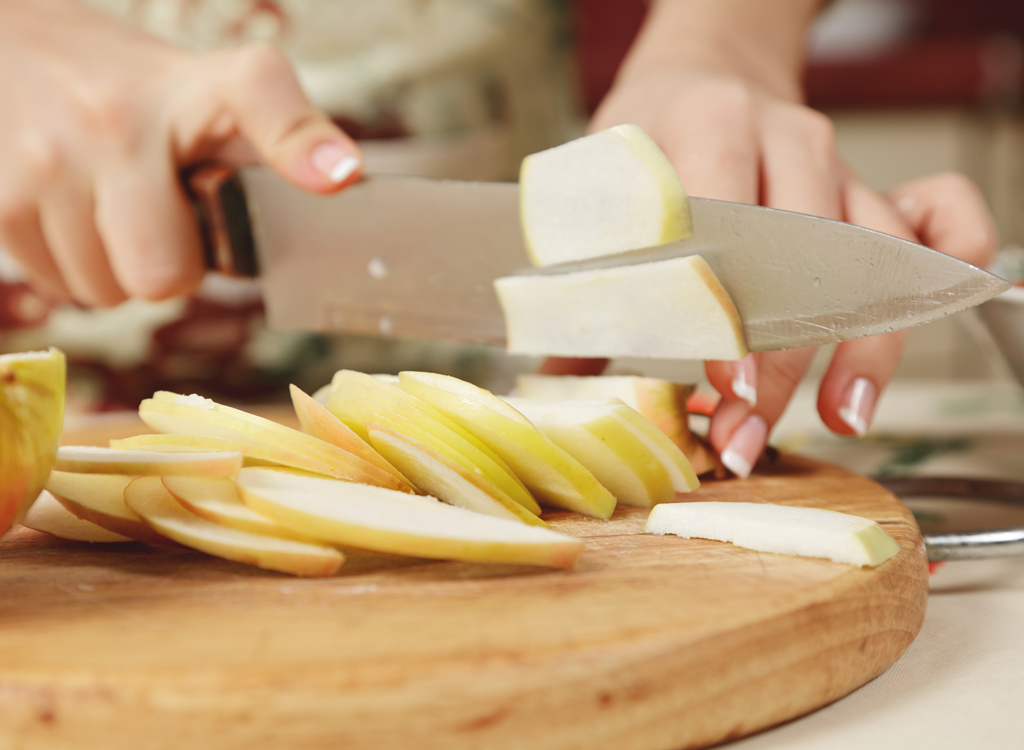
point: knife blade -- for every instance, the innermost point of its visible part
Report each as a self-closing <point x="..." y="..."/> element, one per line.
<point x="416" y="257"/>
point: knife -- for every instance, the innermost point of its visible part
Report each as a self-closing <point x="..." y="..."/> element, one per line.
<point x="416" y="257"/>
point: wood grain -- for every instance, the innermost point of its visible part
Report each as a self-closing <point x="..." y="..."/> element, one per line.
<point x="651" y="643"/>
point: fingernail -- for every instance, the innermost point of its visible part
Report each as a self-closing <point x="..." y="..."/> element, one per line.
<point x="744" y="379"/>
<point x="745" y="446"/>
<point x="334" y="162"/>
<point x="859" y="405"/>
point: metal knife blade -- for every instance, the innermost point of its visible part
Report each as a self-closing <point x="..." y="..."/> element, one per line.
<point x="415" y="257"/>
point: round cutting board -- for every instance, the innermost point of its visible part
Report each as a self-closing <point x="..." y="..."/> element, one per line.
<point x="652" y="642"/>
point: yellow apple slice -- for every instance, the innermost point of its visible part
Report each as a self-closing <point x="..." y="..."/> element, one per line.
<point x="217" y="500"/>
<point x="47" y="514"/>
<point x="807" y="532"/>
<point x="31" y="417"/>
<point x="359" y="399"/>
<point x="195" y="415"/>
<point x="253" y="454"/>
<point x="673" y="309"/>
<point x="548" y="471"/>
<point x="99" y="499"/>
<point x="624" y="451"/>
<point x="87" y="459"/>
<point x="317" y="421"/>
<point x="157" y="507"/>
<point x="662" y="402"/>
<point x="386" y="521"/>
<point x="445" y="479"/>
<point x="606" y="193"/>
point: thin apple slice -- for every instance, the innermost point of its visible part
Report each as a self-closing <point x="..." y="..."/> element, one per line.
<point x="445" y="479"/>
<point x="358" y="399"/>
<point x="195" y="415"/>
<point x="253" y="454"/>
<point x="47" y="514"/>
<point x="606" y="193"/>
<point x="662" y="402"/>
<point x="148" y="497"/>
<point x="613" y="441"/>
<point x="88" y="459"/>
<point x="807" y="532"/>
<point x="673" y="309"/>
<point x="547" y="470"/>
<point x="99" y="499"/>
<point x="386" y="521"/>
<point x="317" y="421"/>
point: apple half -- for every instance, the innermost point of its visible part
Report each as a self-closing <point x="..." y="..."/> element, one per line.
<point x="673" y="309"/>
<point x="383" y="520"/>
<point x="148" y="497"/>
<point x="548" y="471"/>
<point x="88" y="459"/>
<point x="99" y="499"/>
<point x="786" y="530"/>
<point x="662" y="402"/>
<point x="605" y="193"/>
<point x="48" y="515"/>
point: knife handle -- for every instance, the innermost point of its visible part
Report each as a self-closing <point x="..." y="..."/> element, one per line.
<point x="218" y="201"/>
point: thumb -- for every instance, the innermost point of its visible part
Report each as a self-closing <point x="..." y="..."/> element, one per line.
<point x="268" y="108"/>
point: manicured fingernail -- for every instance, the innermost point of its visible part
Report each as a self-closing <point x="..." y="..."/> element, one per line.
<point x="745" y="446"/>
<point x="744" y="379"/>
<point x="859" y="405"/>
<point x="334" y="162"/>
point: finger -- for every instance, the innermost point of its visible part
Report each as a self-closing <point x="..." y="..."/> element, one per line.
<point x="800" y="165"/>
<point x="735" y="380"/>
<point x="68" y="223"/>
<point x="22" y="236"/>
<point x="948" y="212"/>
<point x="148" y="230"/>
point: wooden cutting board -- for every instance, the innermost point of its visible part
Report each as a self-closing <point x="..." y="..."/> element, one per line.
<point x="652" y="643"/>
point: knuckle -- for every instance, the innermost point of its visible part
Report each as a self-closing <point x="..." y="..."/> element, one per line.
<point x="783" y="369"/>
<point x="733" y="100"/>
<point x="818" y="132"/>
<point x="259" y="62"/>
<point x="108" y="113"/>
<point x="42" y="157"/>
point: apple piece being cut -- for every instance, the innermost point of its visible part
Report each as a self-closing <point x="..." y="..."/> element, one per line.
<point x="386" y="521"/>
<point x="99" y="499"/>
<point x="47" y="514"/>
<point x="217" y="500"/>
<point x="445" y="479"/>
<point x="31" y="417"/>
<point x="606" y="193"/>
<point x="148" y="497"/>
<point x="194" y="415"/>
<point x="674" y="309"/>
<point x="547" y="470"/>
<point x="87" y="459"/>
<point x="626" y="453"/>
<point x="359" y="399"/>
<point x="662" y="402"/>
<point x="807" y="532"/>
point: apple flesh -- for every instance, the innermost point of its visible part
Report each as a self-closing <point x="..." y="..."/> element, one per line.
<point x="807" y="532"/>
<point x="382" y="520"/>
<point x="548" y="471"/>
<point x="87" y="459"/>
<point x="253" y="454"/>
<point x="99" y="499"/>
<point x="662" y="402"/>
<point x="673" y="309"/>
<point x="148" y="497"/>
<point x="606" y="193"/>
<point x="48" y="515"/>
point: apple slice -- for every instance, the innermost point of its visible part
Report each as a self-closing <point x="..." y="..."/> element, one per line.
<point x="317" y="421"/>
<point x="217" y="500"/>
<point x="547" y="470"/>
<point x="445" y="479"/>
<point x="386" y="521"/>
<point x="87" y="459"/>
<point x="359" y="399"/>
<point x="674" y="309"/>
<point x="253" y="454"/>
<point x="807" y="532"/>
<point x="662" y="402"/>
<point x="195" y="415"/>
<point x="626" y="453"/>
<point x="99" y="499"/>
<point x="157" y="507"/>
<point x="47" y="514"/>
<point x="605" y="193"/>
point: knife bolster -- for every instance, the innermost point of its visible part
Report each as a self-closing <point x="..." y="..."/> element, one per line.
<point x="221" y="209"/>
